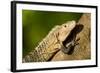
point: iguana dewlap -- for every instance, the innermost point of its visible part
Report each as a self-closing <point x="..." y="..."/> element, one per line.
<point x="51" y="43"/>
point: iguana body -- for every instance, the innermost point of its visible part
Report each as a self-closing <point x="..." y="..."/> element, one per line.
<point x="51" y="43"/>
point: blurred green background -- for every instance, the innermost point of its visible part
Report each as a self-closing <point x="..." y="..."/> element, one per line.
<point x="37" y="24"/>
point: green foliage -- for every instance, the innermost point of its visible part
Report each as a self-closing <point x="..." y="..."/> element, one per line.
<point x="37" y="24"/>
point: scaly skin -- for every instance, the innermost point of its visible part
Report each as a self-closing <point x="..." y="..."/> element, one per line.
<point x="51" y="44"/>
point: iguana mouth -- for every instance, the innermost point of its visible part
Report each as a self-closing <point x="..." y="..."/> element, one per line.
<point x="70" y="37"/>
<point x="66" y="49"/>
<point x="73" y="33"/>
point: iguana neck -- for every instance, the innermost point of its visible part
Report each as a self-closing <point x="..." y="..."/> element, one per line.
<point x="44" y="51"/>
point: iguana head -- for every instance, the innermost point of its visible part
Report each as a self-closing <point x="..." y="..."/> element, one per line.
<point x="65" y="30"/>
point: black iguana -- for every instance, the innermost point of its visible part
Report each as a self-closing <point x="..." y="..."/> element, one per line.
<point x="51" y="43"/>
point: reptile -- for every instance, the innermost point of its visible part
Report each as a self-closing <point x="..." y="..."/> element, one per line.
<point x="51" y="44"/>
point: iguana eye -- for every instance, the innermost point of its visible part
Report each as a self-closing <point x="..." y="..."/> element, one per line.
<point x="64" y="25"/>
